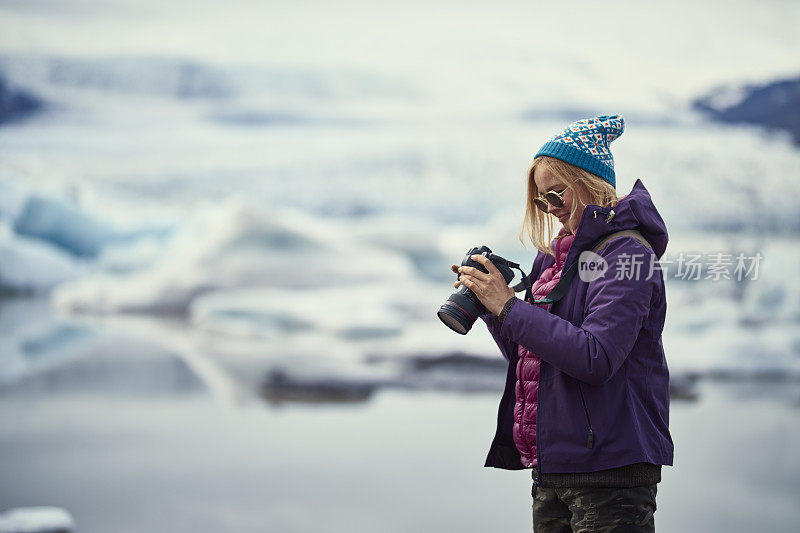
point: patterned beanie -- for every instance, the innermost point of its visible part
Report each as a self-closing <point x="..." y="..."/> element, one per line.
<point x="585" y="144"/>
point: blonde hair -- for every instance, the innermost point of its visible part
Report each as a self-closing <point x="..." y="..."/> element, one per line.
<point x="586" y="188"/>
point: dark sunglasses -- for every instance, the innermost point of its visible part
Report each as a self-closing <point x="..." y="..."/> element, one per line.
<point x="553" y="198"/>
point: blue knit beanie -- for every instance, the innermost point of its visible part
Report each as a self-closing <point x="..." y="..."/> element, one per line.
<point x="585" y="144"/>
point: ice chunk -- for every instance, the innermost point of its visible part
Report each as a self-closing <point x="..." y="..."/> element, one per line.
<point x="30" y="265"/>
<point x="64" y="225"/>
<point x="37" y="520"/>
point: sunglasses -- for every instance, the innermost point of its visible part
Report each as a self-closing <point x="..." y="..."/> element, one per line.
<point x="553" y="198"/>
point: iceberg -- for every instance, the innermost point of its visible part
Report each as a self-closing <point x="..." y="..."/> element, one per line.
<point x="34" y="266"/>
<point x="235" y="245"/>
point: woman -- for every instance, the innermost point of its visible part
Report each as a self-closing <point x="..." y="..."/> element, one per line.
<point x="586" y="404"/>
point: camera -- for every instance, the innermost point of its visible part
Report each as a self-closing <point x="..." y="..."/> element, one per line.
<point x="463" y="308"/>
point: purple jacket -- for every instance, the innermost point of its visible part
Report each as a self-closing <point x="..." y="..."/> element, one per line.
<point x="603" y="398"/>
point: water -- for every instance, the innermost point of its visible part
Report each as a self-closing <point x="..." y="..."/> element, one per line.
<point x="401" y="462"/>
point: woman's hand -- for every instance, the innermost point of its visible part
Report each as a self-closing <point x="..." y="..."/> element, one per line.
<point x="491" y="289"/>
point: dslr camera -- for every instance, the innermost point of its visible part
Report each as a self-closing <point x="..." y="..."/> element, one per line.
<point x="463" y="308"/>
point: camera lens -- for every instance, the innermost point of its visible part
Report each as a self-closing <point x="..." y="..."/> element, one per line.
<point x="459" y="313"/>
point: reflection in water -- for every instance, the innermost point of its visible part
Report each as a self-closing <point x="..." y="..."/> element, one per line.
<point x="142" y="355"/>
<point x="279" y="388"/>
<point x="108" y="369"/>
<point x="44" y="354"/>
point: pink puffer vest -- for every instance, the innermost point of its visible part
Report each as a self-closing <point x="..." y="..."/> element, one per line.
<point x="527" y="388"/>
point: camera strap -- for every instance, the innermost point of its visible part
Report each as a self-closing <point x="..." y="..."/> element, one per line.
<point x="524" y="285"/>
<point x="568" y="273"/>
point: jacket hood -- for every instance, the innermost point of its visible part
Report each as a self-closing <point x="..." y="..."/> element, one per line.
<point x="634" y="211"/>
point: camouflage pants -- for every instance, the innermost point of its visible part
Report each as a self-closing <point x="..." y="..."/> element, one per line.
<point x="582" y="510"/>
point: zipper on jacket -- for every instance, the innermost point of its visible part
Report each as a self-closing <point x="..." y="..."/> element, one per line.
<point x="590" y="436"/>
<point x="538" y="478"/>
<point x="522" y="394"/>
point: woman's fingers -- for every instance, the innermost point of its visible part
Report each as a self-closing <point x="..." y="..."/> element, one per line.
<point x="470" y="282"/>
<point x="464" y="280"/>
<point x="486" y="263"/>
<point x="471" y="277"/>
<point x="475" y="273"/>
